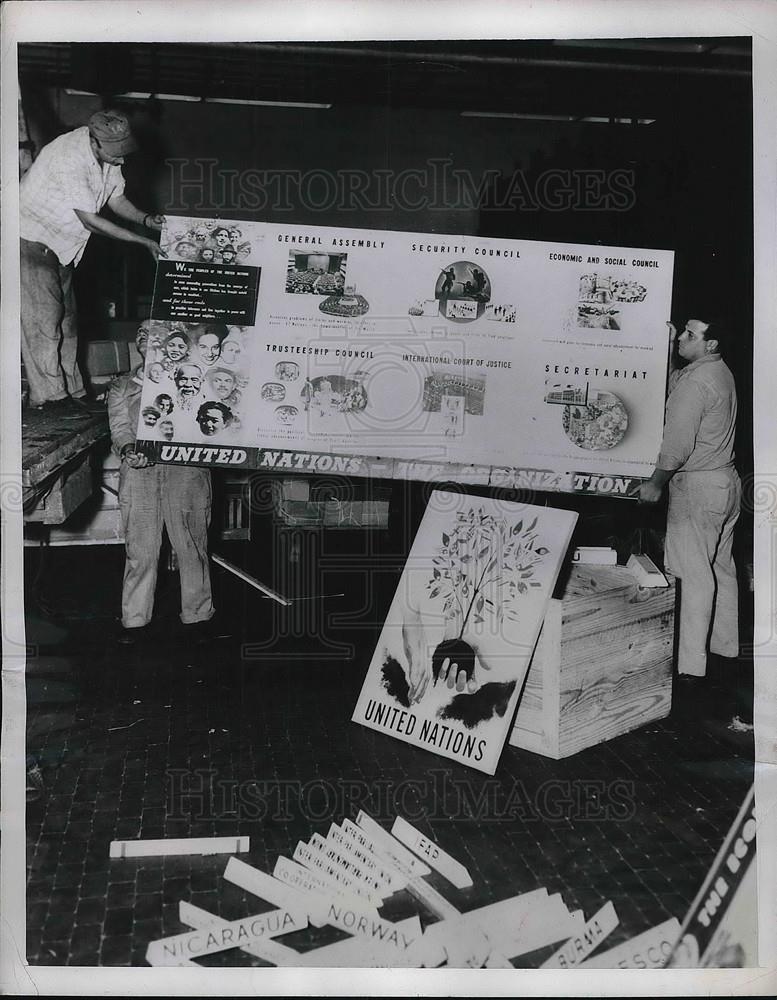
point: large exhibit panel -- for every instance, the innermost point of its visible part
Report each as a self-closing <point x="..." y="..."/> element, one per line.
<point x="407" y="355"/>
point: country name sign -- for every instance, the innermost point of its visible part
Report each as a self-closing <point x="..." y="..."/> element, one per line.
<point x="322" y="890"/>
<point x="386" y="845"/>
<point x="388" y="880"/>
<point x="273" y="891"/>
<point x="649" y="950"/>
<point x="579" y="946"/>
<point x="442" y="862"/>
<point x="314" y="858"/>
<point x="362" y="923"/>
<point x="344" y="862"/>
<point x="268" y="950"/>
<point x="304" y="880"/>
<point x="355" y="952"/>
<point x="170" y="950"/>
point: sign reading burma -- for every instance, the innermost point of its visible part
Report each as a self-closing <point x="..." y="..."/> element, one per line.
<point x="453" y="654"/>
<point x="508" y="363"/>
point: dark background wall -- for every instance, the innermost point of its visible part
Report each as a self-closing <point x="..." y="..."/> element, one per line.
<point x="397" y="108"/>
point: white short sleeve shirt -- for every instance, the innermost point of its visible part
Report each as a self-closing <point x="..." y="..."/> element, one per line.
<point x="66" y="176"/>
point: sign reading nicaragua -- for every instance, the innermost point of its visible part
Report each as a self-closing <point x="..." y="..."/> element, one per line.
<point x="171" y="950"/>
<point x="499" y="362"/>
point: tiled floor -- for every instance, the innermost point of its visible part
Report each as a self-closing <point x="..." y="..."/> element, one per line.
<point x="252" y="735"/>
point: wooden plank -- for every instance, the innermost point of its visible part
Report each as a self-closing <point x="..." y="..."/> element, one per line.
<point x="268" y="950"/>
<point x="49" y="441"/>
<point x="585" y="583"/>
<point x="614" y="706"/>
<point x="273" y="891"/>
<point x="556" y="924"/>
<point x="73" y="485"/>
<point x="595" y="555"/>
<point x="388" y="879"/>
<point x="303" y="879"/>
<point x="404" y="860"/>
<point x="606" y="597"/>
<point x="361" y="923"/>
<point x="645" y="571"/>
<point x="463" y="945"/>
<point x="601" y="617"/>
<point x="551" y="681"/>
<point x="536" y="725"/>
<point x="183" y="962"/>
<point x="493" y="917"/>
<point x="396" y="857"/>
<point x="431" y="898"/>
<point x="648" y="950"/>
<point x="380" y="845"/>
<point x="432" y="853"/>
<point x="450" y="936"/>
<point x="356" y="953"/>
<point x="580" y="946"/>
<point x="175" y="846"/>
<point x="313" y="858"/>
<point x="345" y="862"/>
<point x="306" y="881"/>
<point x="250" y="580"/>
<point x="472" y="949"/>
<point x="233" y="934"/>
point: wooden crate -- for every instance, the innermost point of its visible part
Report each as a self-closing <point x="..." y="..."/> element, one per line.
<point x="602" y="666"/>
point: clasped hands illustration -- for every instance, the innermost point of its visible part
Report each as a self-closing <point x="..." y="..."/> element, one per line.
<point x="454" y="663"/>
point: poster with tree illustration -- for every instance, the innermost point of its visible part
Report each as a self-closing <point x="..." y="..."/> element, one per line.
<point x="458" y="639"/>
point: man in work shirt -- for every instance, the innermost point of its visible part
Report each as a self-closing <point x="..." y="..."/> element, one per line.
<point x="697" y="461"/>
<point x="60" y="197"/>
<point x="150" y="497"/>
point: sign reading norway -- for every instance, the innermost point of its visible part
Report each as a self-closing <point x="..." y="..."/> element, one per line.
<point x="509" y="363"/>
<point x="456" y="645"/>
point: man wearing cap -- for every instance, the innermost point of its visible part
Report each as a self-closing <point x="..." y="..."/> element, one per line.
<point x="60" y="198"/>
<point x="697" y="462"/>
<point x="150" y="497"/>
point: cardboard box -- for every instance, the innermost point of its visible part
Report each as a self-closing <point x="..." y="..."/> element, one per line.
<point x="645" y="571"/>
<point x="107" y="358"/>
<point x="305" y="503"/>
<point x="602" y="666"/>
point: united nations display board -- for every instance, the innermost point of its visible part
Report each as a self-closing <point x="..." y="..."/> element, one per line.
<point x="407" y="355"/>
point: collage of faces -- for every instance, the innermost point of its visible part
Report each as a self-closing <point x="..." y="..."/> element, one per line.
<point x="209" y="243"/>
<point x="194" y="382"/>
